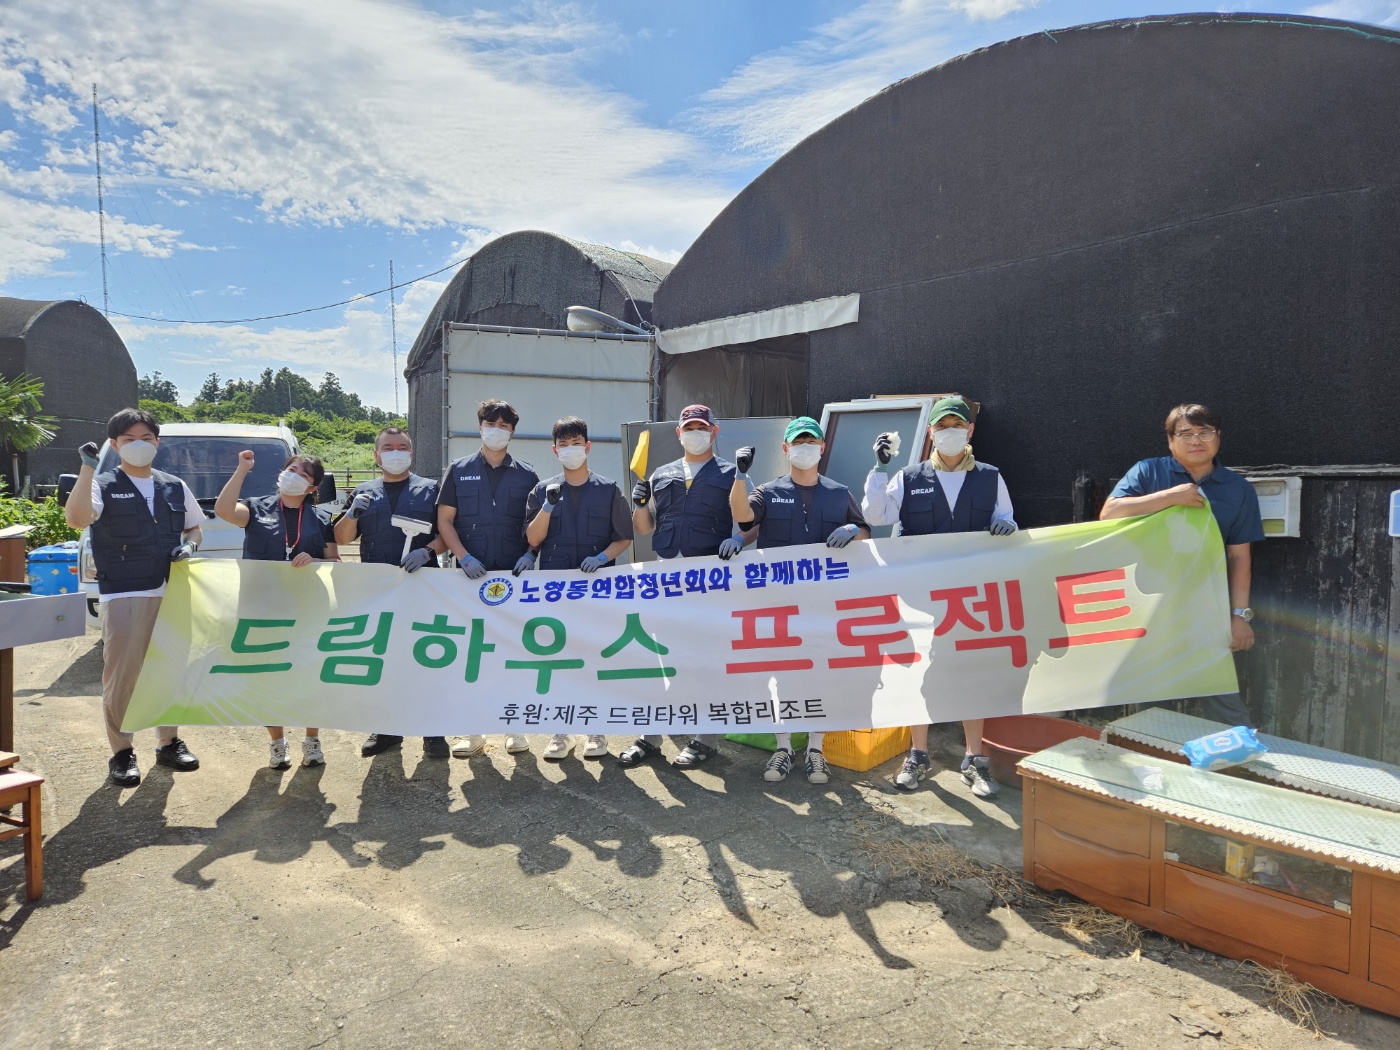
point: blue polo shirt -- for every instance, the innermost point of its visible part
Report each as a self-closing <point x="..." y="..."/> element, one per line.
<point x="1232" y="498"/>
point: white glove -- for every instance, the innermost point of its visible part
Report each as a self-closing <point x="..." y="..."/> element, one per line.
<point x="1002" y="527"/>
<point x="886" y="448"/>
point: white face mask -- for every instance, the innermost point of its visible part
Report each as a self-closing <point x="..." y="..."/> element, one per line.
<point x="696" y="442"/>
<point x="137" y="453"/>
<point x="395" y="461"/>
<point x="290" y="483"/>
<point x="804" y="456"/>
<point x="495" y="438"/>
<point x="950" y="442"/>
<point x="572" y="456"/>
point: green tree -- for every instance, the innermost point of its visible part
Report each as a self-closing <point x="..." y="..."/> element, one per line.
<point x="210" y="392"/>
<point x="23" y="425"/>
<point x="155" y="387"/>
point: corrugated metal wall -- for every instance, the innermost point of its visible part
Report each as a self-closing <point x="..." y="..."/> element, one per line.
<point x="1325" y="668"/>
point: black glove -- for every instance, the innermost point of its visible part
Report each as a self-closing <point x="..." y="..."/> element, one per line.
<point x="743" y="459"/>
<point x="641" y="493"/>
<point x="523" y="563"/>
<point x="884" y="447"/>
<point x="360" y="504"/>
<point x="183" y="552"/>
<point x="552" y="493"/>
<point x="88" y="453"/>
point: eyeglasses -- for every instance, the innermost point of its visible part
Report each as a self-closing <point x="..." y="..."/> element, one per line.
<point x="1204" y="434"/>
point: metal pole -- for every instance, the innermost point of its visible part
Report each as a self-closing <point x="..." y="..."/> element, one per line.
<point x="101" y="216"/>
<point x="394" y="335"/>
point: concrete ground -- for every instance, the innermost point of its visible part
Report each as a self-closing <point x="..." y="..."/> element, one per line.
<point x="505" y="901"/>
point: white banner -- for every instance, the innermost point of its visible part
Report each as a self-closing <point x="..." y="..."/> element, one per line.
<point x="883" y="633"/>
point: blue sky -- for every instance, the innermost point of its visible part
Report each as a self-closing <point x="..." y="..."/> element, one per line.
<point x="261" y="157"/>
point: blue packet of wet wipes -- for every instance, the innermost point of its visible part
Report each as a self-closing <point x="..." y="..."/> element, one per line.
<point x="1222" y="750"/>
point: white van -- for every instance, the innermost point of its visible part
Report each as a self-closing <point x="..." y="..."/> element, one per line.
<point x="204" y="456"/>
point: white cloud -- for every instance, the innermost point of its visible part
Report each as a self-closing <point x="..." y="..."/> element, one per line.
<point x="335" y="111"/>
<point x="780" y="97"/>
<point x="1377" y="12"/>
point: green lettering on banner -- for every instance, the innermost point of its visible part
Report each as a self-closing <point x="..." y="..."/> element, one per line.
<point x="635" y="632"/>
<point x="334" y="670"/>
<point x="243" y="646"/>
<point x="544" y="668"/>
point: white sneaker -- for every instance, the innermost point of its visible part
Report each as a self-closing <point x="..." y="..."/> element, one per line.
<point x="278" y="756"/>
<point x="596" y="746"/>
<point x="516" y="743"/>
<point x="558" y="747"/>
<point x="466" y="746"/>
<point x="311" y="754"/>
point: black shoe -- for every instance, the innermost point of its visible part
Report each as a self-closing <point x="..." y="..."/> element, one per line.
<point x="436" y="747"/>
<point x="177" y="756"/>
<point x="378" y="742"/>
<point x="637" y="753"/>
<point x="694" y="754"/>
<point x="122" y="768"/>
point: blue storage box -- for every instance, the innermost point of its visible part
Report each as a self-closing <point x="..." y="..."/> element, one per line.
<point x="54" y="569"/>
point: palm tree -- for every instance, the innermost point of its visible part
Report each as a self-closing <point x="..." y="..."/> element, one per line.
<point x="23" y="427"/>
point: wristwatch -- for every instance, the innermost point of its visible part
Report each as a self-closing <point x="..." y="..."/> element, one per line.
<point x="1246" y="614"/>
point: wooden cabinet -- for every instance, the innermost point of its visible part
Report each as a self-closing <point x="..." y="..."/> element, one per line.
<point x="1332" y="921"/>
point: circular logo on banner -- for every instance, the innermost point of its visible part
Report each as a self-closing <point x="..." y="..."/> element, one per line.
<point x="496" y="590"/>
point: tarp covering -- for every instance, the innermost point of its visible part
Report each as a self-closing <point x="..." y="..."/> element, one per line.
<point x="761" y="324"/>
<point x="1082" y="228"/>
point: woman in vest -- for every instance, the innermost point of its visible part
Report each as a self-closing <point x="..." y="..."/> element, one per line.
<point x="949" y="492"/>
<point x="802" y="506"/>
<point x="577" y="520"/>
<point x="289" y="527"/>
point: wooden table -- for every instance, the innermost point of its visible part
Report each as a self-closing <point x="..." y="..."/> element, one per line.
<point x="1247" y="870"/>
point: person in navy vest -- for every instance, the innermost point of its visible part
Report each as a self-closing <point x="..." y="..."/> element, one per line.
<point x="397" y="492"/>
<point x="1192" y="476"/>
<point x="802" y="506"/>
<point x="286" y="526"/>
<point x="951" y="491"/>
<point x="481" y="519"/>
<point x="577" y="520"/>
<point x="685" y="508"/>
<point x="142" y="520"/>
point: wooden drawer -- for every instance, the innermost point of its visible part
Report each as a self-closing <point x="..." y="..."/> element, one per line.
<point x="1124" y="875"/>
<point x="1385" y="959"/>
<point x="1385" y="904"/>
<point x="1296" y="931"/>
<point x="1116" y="825"/>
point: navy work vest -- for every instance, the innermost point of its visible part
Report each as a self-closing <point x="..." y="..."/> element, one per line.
<point x="695" y="521"/>
<point x="581" y="525"/>
<point x="925" y="507"/>
<point x="492" y="528"/>
<point x="265" y="536"/>
<point x="785" y="523"/>
<point x="380" y="541"/>
<point x="130" y="545"/>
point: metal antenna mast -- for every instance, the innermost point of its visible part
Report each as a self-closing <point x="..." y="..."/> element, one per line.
<point x="394" y="335"/>
<point x="101" y="215"/>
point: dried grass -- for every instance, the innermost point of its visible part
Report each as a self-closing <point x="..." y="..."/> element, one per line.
<point x="938" y="863"/>
<point x="1292" y="999"/>
<point x="1091" y="925"/>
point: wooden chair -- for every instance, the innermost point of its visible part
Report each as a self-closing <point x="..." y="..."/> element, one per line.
<point x="20" y="787"/>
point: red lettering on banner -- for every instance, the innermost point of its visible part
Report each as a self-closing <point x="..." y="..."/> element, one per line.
<point x="778" y="639"/>
<point x="998" y="616"/>
<point x="888" y="604"/>
<point x="1073" y="601"/>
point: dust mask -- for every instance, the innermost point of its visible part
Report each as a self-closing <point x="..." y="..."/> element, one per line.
<point x="290" y="483"/>
<point x="804" y="457"/>
<point x="395" y="461"/>
<point x="696" y="442"/>
<point x="137" y="453"/>
<point x="572" y="456"/>
<point x="495" y="438"/>
<point x="950" y="442"/>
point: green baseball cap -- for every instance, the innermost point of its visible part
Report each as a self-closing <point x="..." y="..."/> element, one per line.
<point x="803" y="425"/>
<point x="950" y="406"/>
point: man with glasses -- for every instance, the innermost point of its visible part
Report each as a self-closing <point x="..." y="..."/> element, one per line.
<point x="1190" y="477"/>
